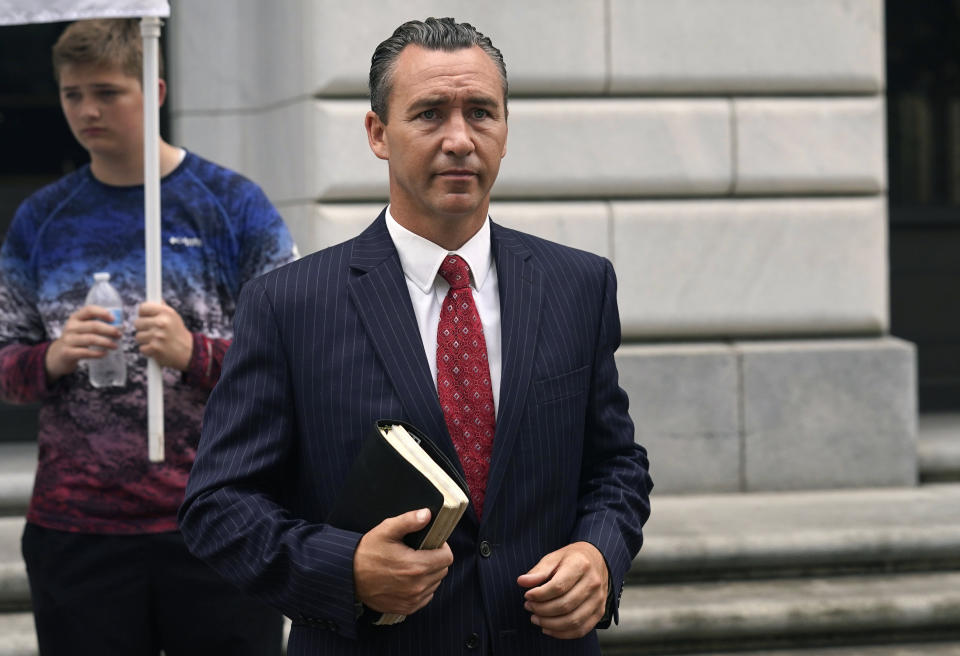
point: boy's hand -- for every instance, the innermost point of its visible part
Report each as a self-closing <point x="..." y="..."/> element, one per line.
<point x="86" y="328"/>
<point x="162" y="335"/>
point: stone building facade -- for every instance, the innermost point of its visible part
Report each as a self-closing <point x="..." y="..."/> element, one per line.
<point x="727" y="155"/>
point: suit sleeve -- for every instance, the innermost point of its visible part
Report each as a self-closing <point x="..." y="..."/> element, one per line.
<point x="232" y="517"/>
<point x="614" y="498"/>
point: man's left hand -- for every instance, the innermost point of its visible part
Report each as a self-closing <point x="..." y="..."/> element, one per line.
<point x="568" y="590"/>
<point x="162" y="335"/>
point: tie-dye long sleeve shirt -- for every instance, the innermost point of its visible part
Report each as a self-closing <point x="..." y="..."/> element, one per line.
<point x="218" y="231"/>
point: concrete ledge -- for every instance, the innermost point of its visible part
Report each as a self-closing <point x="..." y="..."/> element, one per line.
<point x="17" y="635"/>
<point x="836" y="530"/>
<point x="801" y="610"/>
<point x="938" y="449"/>
<point x="912" y="649"/>
<point x="15" y="490"/>
<point x="774" y="415"/>
<point x="731" y="46"/>
<point x="14" y="586"/>
<point x="18" y="462"/>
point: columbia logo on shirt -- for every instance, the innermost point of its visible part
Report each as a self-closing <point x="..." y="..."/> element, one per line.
<point x="191" y="242"/>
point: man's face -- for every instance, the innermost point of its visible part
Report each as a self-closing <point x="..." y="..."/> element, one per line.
<point x="445" y="136"/>
<point x="104" y="108"/>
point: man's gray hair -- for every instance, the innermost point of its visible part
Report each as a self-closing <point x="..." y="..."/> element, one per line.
<point x="431" y="34"/>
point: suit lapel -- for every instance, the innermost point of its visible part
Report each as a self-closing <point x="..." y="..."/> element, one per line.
<point x="521" y="297"/>
<point x="379" y="293"/>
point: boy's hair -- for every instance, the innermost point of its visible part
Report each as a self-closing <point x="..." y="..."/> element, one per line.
<point x="112" y="42"/>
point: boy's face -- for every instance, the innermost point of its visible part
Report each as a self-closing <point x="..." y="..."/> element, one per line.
<point x="104" y="108"/>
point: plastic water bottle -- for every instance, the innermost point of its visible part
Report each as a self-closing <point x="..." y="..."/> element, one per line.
<point x="111" y="369"/>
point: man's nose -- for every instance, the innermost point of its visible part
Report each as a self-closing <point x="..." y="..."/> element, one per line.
<point x="458" y="137"/>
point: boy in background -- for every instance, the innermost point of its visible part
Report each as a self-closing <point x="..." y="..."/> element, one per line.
<point x="108" y="570"/>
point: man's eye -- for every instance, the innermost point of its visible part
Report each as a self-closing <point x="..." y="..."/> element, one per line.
<point x="480" y="113"/>
<point x="429" y="114"/>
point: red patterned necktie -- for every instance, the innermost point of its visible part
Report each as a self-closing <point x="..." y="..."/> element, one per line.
<point x="463" y="378"/>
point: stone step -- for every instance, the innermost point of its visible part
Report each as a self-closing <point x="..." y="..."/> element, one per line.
<point x="18" y="460"/>
<point x="14" y="588"/>
<point x="698" y="617"/>
<point x="702" y="537"/>
<point x="746" y="535"/>
<point x="907" y="649"/>
<point x="938" y="450"/>
<point x="17" y="637"/>
<point x="664" y="618"/>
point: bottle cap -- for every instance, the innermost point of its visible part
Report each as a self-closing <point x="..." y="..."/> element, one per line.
<point x="101" y="276"/>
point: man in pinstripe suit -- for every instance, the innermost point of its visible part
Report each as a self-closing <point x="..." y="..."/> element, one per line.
<point x="331" y="343"/>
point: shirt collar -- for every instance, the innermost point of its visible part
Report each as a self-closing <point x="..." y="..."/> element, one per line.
<point x="420" y="258"/>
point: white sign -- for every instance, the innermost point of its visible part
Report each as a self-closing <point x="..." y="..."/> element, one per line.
<point x="17" y="12"/>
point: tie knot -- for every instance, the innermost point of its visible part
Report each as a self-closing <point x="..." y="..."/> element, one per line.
<point x="455" y="271"/>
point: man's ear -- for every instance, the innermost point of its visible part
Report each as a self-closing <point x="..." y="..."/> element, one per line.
<point x="377" y="135"/>
<point x="161" y="92"/>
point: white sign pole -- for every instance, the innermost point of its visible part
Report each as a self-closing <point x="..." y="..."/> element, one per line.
<point x="150" y="31"/>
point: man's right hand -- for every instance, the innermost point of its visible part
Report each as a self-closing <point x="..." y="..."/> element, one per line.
<point x="87" y="327"/>
<point x="389" y="576"/>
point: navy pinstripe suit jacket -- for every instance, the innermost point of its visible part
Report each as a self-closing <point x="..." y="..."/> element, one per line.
<point x="328" y="344"/>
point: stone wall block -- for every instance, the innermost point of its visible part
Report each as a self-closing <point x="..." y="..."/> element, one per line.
<point x="208" y="55"/>
<point x="747" y="46"/>
<point x="684" y="404"/>
<point x="548" y="47"/>
<point x="222" y="139"/>
<point x="825" y="414"/>
<point x="728" y="268"/>
<point x="617" y="147"/>
<point x="810" y="145"/>
<point x="582" y="225"/>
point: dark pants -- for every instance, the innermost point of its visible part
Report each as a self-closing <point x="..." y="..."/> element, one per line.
<point x="135" y="595"/>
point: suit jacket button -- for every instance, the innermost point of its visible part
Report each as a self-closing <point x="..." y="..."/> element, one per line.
<point x="485" y="549"/>
<point x="472" y="642"/>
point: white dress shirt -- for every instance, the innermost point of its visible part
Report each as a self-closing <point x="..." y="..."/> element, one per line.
<point x="421" y="259"/>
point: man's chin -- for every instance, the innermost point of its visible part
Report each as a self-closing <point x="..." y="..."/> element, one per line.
<point x="458" y="211"/>
<point x="460" y="204"/>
